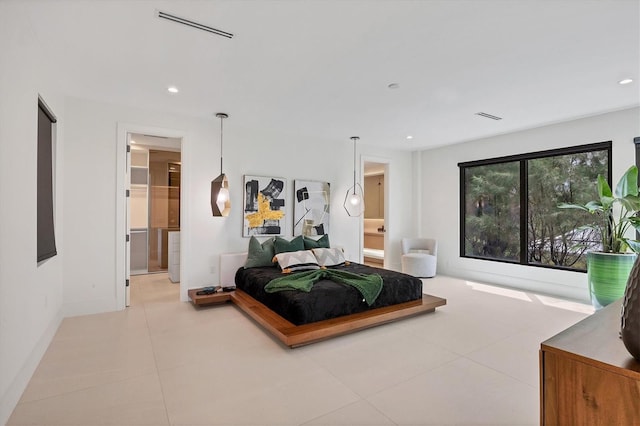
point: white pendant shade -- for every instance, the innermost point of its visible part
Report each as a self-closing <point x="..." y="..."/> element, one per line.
<point x="223" y="197"/>
<point x="354" y="201"/>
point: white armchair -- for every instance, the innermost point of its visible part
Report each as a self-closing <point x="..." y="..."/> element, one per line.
<point x="419" y="257"/>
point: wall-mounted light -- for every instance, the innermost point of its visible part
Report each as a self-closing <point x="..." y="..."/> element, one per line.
<point x="354" y="200"/>
<point x="220" y="200"/>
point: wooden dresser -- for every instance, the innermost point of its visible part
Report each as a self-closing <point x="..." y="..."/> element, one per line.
<point x="587" y="377"/>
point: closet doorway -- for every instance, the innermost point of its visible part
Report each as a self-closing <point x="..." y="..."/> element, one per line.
<point x="154" y="205"/>
<point x="374" y="213"/>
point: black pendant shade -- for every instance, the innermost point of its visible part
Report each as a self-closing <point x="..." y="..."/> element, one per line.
<point x="220" y="203"/>
<point x="220" y="196"/>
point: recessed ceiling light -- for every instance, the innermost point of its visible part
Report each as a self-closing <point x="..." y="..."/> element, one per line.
<point x="132" y="141"/>
<point x="625" y="81"/>
<point x="393" y="86"/>
<point x="172" y="89"/>
<point x="409" y="137"/>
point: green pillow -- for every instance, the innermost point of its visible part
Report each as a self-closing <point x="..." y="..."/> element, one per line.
<point x="284" y="246"/>
<point x="322" y="242"/>
<point x="260" y="254"/>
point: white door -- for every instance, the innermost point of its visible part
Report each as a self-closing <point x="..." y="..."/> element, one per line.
<point x="127" y="249"/>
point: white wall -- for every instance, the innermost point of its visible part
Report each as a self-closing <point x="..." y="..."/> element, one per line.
<point x="440" y="205"/>
<point x="30" y="294"/>
<point x="90" y="174"/>
<point x="82" y="279"/>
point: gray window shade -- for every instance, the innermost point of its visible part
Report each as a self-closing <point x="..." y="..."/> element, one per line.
<point x="46" y="231"/>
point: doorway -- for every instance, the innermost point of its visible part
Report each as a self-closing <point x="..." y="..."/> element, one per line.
<point x="374" y="213"/>
<point x="154" y="210"/>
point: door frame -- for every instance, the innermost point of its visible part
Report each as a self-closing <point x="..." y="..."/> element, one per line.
<point x="387" y="179"/>
<point x="122" y="176"/>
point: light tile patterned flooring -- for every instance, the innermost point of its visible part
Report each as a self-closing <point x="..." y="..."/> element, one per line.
<point x="162" y="362"/>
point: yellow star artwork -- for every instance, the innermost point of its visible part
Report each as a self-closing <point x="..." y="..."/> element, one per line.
<point x="264" y="213"/>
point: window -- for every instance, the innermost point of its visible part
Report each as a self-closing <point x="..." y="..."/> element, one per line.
<point x="46" y="231"/>
<point x="509" y="207"/>
<point x="492" y="211"/>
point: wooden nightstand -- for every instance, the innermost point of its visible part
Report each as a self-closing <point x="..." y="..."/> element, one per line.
<point x="208" y="299"/>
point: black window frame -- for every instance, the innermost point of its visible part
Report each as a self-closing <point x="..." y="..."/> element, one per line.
<point x="524" y="191"/>
<point x="46" y="238"/>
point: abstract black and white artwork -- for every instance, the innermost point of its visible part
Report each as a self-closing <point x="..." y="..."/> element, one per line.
<point x="264" y="205"/>
<point x="311" y="207"/>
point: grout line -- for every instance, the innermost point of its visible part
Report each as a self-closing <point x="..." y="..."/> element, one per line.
<point x="500" y="372"/>
<point x="155" y="361"/>
<point x="84" y="389"/>
<point x="87" y="387"/>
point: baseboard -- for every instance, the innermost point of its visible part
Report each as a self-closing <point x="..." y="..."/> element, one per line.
<point x="89" y="307"/>
<point x="11" y="397"/>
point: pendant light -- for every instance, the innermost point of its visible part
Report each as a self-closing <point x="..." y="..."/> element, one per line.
<point x="220" y="201"/>
<point x="354" y="200"/>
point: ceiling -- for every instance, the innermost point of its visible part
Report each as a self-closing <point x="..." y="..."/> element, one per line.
<point x="322" y="68"/>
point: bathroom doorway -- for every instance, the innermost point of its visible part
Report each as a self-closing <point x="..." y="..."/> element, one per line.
<point x="374" y="213"/>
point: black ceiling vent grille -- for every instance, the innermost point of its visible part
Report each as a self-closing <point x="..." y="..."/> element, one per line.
<point x="192" y="24"/>
<point x="485" y="115"/>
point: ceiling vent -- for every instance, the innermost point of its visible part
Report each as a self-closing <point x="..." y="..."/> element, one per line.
<point x="193" y="24"/>
<point x="485" y="115"/>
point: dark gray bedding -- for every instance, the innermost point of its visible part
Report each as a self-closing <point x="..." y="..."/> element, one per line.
<point x="327" y="299"/>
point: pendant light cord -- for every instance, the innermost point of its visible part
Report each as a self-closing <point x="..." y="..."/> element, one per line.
<point x="354" y="138"/>
<point x="221" y="140"/>
<point x="221" y="116"/>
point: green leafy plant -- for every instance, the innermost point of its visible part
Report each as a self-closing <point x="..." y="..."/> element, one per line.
<point x="615" y="222"/>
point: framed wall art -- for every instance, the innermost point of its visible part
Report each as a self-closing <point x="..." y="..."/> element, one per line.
<point x="311" y="207"/>
<point x="264" y="206"/>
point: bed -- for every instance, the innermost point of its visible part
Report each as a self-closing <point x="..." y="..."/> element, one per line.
<point x="327" y="299"/>
<point x="330" y="309"/>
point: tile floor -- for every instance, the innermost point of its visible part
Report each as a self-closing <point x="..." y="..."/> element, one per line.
<point x="162" y="362"/>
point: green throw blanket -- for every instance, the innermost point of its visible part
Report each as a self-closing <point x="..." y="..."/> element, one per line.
<point x="369" y="285"/>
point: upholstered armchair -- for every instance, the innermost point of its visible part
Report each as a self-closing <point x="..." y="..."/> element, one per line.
<point x="419" y="257"/>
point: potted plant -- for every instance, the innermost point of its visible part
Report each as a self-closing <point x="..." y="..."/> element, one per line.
<point x="608" y="270"/>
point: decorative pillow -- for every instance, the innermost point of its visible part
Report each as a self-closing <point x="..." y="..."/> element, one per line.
<point x="260" y="254"/>
<point x="322" y="242"/>
<point x="284" y="246"/>
<point x="297" y="261"/>
<point x="329" y="256"/>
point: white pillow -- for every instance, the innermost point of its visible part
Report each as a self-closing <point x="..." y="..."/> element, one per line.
<point x="297" y="261"/>
<point x="329" y="256"/>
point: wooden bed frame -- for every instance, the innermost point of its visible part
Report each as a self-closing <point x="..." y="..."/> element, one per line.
<point x="298" y="335"/>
